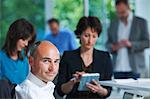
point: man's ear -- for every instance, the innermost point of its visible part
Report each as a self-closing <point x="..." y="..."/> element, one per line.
<point x="31" y="62"/>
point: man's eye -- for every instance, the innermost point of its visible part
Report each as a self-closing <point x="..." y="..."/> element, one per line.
<point x="57" y="61"/>
<point x="45" y="60"/>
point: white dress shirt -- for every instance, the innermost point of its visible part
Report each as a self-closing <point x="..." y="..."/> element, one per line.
<point x="34" y="88"/>
<point x="122" y="61"/>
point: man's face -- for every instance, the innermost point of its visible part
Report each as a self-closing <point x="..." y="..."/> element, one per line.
<point x="54" y="28"/>
<point x="46" y="63"/>
<point x="122" y="11"/>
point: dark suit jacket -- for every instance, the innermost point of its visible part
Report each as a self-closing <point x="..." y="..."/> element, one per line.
<point x="7" y="89"/>
<point x="72" y="62"/>
<point x="139" y="37"/>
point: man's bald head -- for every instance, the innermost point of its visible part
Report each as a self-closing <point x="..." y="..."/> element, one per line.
<point x="41" y="46"/>
<point x="46" y="46"/>
<point x="45" y="61"/>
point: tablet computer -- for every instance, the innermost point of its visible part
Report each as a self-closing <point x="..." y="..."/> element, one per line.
<point x="87" y="78"/>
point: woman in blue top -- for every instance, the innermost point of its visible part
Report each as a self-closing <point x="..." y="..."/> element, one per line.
<point x="13" y="55"/>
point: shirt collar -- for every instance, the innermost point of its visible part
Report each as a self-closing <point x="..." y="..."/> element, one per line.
<point x="39" y="82"/>
<point x="130" y="17"/>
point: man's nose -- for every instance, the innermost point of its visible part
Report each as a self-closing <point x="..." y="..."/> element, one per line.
<point x="51" y="66"/>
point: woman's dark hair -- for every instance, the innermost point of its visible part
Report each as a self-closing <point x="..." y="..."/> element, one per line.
<point x="86" y="22"/>
<point x="19" y="29"/>
<point x="117" y="2"/>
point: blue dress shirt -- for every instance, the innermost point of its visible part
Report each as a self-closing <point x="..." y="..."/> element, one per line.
<point x="64" y="41"/>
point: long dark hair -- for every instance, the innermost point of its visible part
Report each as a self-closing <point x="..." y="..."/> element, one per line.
<point x="19" y="29"/>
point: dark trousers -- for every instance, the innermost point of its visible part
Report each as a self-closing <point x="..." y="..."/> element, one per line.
<point x="126" y="75"/>
<point x="7" y="89"/>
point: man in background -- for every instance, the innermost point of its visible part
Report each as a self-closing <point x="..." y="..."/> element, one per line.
<point x="62" y="39"/>
<point x="127" y="38"/>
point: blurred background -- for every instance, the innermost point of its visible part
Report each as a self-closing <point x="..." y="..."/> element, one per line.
<point x="68" y="12"/>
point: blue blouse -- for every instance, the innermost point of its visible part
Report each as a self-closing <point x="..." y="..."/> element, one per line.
<point x="14" y="70"/>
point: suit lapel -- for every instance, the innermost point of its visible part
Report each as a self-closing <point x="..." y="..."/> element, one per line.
<point x="115" y="33"/>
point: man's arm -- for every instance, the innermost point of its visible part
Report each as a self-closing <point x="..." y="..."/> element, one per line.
<point x="111" y="46"/>
<point x="73" y="42"/>
<point x="143" y="43"/>
<point x="109" y="41"/>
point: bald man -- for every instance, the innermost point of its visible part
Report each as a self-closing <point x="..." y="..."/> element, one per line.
<point x="44" y="61"/>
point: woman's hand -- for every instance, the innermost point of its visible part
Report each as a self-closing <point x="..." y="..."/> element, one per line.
<point x="67" y="87"/>
<point x="78" y="75"/>
<point x="95" y="87"/>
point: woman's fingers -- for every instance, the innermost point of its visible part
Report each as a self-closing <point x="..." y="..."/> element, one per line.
<point x="92" y="87"/>
<point x="95" y="87"/>
<point x="75" y="75"/>
<point x="74" y="80"/>
<point x="95" y="82"/>
<point x="78" y="74"/>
